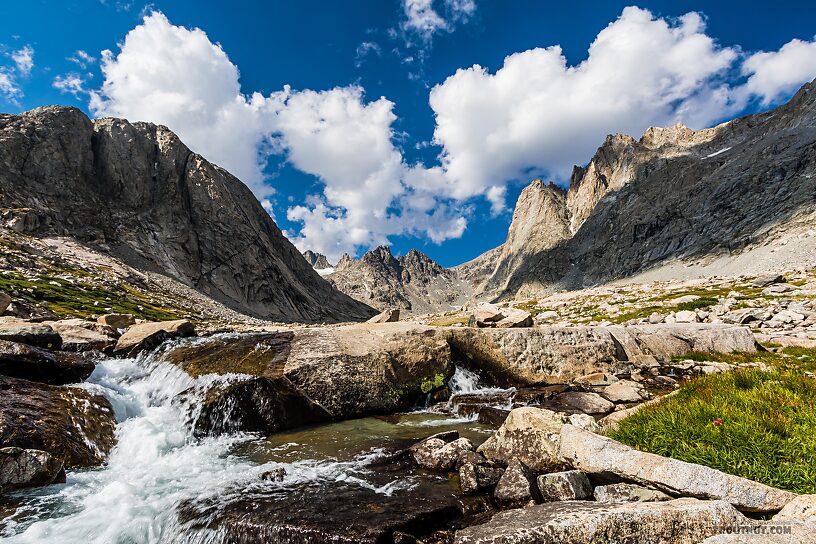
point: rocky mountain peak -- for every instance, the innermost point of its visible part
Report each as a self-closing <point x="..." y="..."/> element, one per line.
<point x="136" y="192"/>
<point x="317" y="260"/>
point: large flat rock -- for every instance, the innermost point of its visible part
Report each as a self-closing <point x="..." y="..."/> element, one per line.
<point x="558" y="354"/>
<point x="681" y="521"/>
<point x="595" y="454"/>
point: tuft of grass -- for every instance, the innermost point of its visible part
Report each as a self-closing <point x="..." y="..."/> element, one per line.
<point x="531" y="307"/>
<point x="752" y="423"/>
<point x="704" y="302"/>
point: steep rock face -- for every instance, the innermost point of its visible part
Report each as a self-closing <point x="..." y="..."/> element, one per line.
<point x="540" y="221"/>
<point x="317" y="260"/>
<point x="676" y="194"/>
<point x="136" y="191"/>
<point x="411" y="282"/>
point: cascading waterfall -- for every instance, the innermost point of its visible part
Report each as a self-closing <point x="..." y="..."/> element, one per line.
<point x="156" y="464"/>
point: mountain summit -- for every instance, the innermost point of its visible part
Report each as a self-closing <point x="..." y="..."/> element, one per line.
<point x="135" y="191"/>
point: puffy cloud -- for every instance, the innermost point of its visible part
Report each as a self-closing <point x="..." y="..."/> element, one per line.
<point x="71" y="83"/>
<point x="24" y="60"/>
<point x="537" y="114"/>
<point x="176" y="76"/>
<point x="775" y="75"/>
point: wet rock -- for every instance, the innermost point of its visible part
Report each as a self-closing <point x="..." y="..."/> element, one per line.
<point x="21" y="468"/>
<point x="435" y="454"/>
<point x="33" y="334"/>
<point x="345" y="513"/>
<point x="68" y="422"/>
<point x="517" y="484"/>
<point x="40" y="365"/>
<point x="468" y="404"/>
<point x="147" y="336"/>
<point x="387" y="316"/>
<point x="570" y="485"/>
<point x="475" y="477"/>
<point x="583" y="402"/>
<point x="623" y="391"/>
<point x="595" y="454"/>
<point x="274" y="475"/>
<point x="681" y="521"/>
<point x="624" y="492"/>
<point x="116" y="322"/>
<point x="262" y="405"/>
<point x="493" y="416"/>
<point x="529" y="435"/>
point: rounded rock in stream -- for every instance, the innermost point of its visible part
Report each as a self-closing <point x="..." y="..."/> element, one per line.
<point x="68" y="422"/>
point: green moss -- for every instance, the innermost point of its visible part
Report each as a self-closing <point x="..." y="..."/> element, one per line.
<point x="751" y="423"/>
<point x="67" y="298"/>
<point x="429" y="385"/>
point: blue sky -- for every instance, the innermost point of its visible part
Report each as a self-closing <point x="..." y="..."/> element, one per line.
<point x="345" y="157"/>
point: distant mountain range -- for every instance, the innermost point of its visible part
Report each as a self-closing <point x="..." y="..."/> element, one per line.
<point x="737" y="198"/>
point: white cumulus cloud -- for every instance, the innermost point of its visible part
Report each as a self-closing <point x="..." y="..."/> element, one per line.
<point x="775" y="75"/>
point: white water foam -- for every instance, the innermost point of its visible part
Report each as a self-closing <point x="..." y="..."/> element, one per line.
<point x="156" y="464"/>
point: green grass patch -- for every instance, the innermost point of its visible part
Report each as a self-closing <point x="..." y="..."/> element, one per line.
<point x="531" y="307"/>
<point x="77" y="299"/>
<point x="450" y="321"/>
<point x="750" y="423"/>
<point x="704" y="302"/>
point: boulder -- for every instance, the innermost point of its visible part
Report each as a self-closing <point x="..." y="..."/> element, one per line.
<point x="485" y="315"/>
<point x="517" y="484"/>
<point x="82" y="336"/>
<point x="40" y="365"/>
<point x="686" y="316"/>
<point x="778" y="289"/>
<point x="116" y="322"/>
<point x="21" y="468"/>
<point x="583" y="402"/>
<point x="684" y="300"/>
<point x="68" y="422"/>
<point x="665" y="340"/>
<point x="584" y="421"/>
<point x="596" y="379"/>
<point x="435" y="454"/>
<point x="365" y="369"/>
<point x="623" y="391"/>
<point x="386" y="316"/>
<point x="514" y="317"/>
<point x="349" y="371"/>
<point x="33" y="334"/>
<point x="537" y="356"/>
<point x="5" y="302"/>
<point x="681" y="521"/>
<point x="494" y="417"/>
<point x="595" y="454"/>
<point x="147" y="336"/>
<point x="529" y="435"/>
<point x="473" y="477"/>
<point x="259" y="405"/>
<point x="624" y="492"/>
<point x="802" y="508"/>
<point x="570" y="485"/>
<point x="768" y="279"/>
